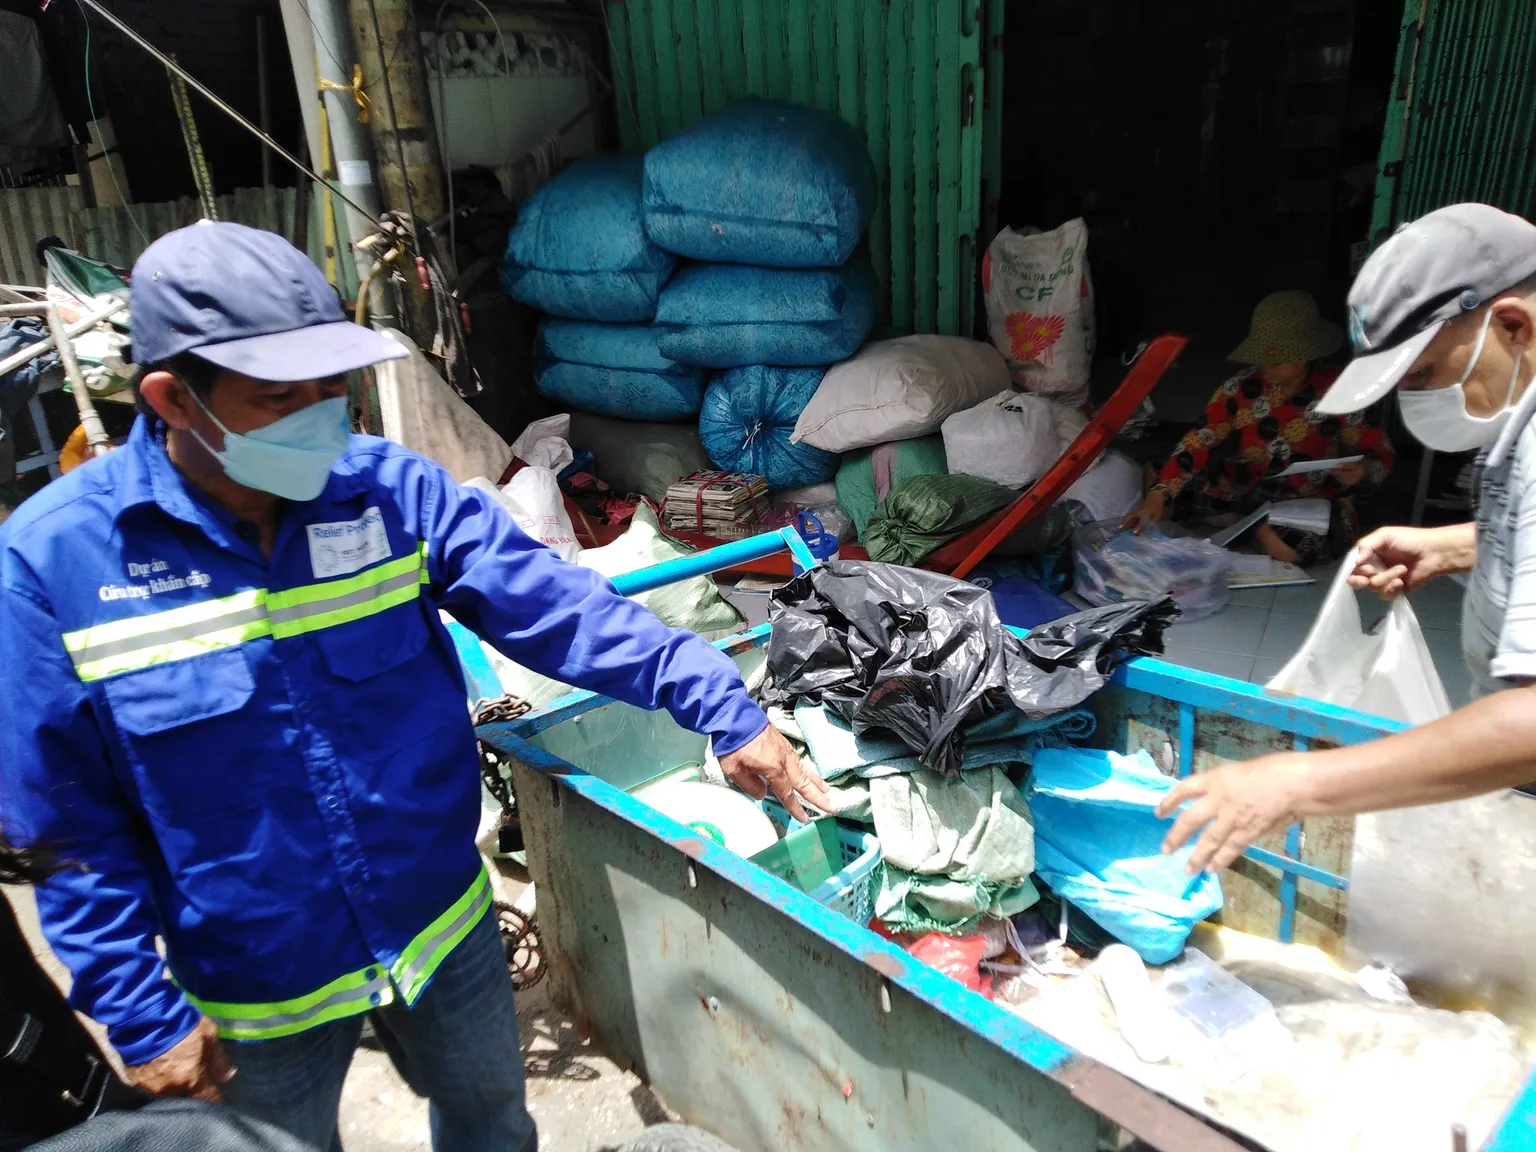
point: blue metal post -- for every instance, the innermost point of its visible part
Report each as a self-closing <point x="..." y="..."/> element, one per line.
<point x="1287" y="933"/>
<point x="1186" y="739"/>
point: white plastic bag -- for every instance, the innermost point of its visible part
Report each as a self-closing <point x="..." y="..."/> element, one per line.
<point x="1040" y="309"/>
<point x="546" y="443"/>
<point x="1009" y="439"/>
<point x="1110" y="488"/>
<point x="1388" y="672"/>
<point x="1113" y="564"/>
<point x="533" y="497"/>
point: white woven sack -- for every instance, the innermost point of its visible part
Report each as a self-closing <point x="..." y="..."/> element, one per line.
<point x="898" y="389"/>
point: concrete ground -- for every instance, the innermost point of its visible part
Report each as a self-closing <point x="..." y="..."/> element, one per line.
<point x="581" y="1101"/>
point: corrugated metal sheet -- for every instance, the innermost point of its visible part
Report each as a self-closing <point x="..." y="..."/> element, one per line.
<point x="26" y="216"/>
<point x="909" y="73"/>
<point x="109" y="234"/>
<point x="1461" y="124"/>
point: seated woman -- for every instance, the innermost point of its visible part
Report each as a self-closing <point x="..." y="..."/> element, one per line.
<point x="1262" y="421"/>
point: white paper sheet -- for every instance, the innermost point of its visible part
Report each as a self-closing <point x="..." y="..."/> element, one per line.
<point x="1302" y="467"/>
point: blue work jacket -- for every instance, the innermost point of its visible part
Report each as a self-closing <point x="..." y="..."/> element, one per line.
<point x="269" y="763"/>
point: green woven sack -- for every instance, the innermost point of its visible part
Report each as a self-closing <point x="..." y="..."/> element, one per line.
<point x="927" y="512"/>
<point x="856" y="488"/>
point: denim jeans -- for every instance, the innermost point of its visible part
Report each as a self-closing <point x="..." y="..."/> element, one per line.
<point x="172" y="1126"/>
<point x="457" y="1046"/>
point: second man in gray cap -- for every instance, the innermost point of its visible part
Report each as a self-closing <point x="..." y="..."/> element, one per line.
<point x="1445" y="313"/>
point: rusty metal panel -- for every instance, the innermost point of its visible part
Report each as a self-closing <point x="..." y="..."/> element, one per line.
<point x="749" y="1022"/>
<point x="26" y="216"/>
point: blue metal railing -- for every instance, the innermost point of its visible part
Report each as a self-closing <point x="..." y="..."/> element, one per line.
<point x="716" y="560"/>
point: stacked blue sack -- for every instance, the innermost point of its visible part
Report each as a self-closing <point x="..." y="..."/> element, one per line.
<point x="774" y="200"/>
<point x="735" y="315"/>
<point x="614" y="370"/>
<point x="763" y="182"/>
<point x="579" y="249"/>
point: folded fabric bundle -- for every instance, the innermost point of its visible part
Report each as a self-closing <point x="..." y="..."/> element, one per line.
<point x="1099" y="847"/>
<point x="955" y="849"/>
<point x="1009" y="737"/>
<point x="733" y="315"/>
<point x="614" y="370"/>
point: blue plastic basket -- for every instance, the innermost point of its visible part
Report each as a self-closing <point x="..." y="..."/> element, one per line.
<point x="851" y="890"/>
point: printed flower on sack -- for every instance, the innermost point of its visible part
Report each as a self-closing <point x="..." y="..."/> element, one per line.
<point x="1032" y="336"/>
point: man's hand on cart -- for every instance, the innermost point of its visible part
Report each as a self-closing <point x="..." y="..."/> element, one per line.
<point x="769" y="761"/>
<point x="1236" y="804"/>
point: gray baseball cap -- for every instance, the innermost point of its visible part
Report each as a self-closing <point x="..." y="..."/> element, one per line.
<point x="1452" y="261"/>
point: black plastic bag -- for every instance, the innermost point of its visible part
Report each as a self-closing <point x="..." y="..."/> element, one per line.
<point x="923" y="656"/>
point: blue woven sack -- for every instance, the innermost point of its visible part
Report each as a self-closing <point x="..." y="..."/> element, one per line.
<point x="1098" y="846"/>
<point x="579" y="248"/>
<point x="762" y="182"/>
<point x="614" y="370"/>
<point x="735" y="315"/>
<point x="747" y="418"/>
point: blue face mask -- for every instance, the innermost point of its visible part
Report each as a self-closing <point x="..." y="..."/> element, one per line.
<point x="291" y="457"/>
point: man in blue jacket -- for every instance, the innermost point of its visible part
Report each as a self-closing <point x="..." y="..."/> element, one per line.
<point x="229" y="696"/>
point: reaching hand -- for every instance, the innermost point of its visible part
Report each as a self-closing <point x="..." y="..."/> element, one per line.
<point x="1153" y="509"/>
<point x="769" y="761"/>
<point x="195" y="1067"/>
<point x="1349" y="474"/>
<point x="1236" y="804"/>
<point x="1392" y="561"/>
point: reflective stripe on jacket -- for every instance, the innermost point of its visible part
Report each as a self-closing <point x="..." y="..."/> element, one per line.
<point x="269" y="763"/>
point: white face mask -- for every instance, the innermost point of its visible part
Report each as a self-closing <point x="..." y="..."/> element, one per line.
<point x="1439" y="417"/>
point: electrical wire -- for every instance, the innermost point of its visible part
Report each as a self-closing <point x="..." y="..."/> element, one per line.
<point x="394" y="128"/>
<point x="90" y="105"/>
<point x="319" y="39"/>
<point x="219" y="103"/>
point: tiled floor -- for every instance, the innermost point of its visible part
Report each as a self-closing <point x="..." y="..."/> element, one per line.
<point x="1253" y="637"/>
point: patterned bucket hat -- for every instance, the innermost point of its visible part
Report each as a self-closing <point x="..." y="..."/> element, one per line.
<point x="1287" y="329"/>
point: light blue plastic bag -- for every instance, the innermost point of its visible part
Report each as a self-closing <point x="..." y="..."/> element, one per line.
<point x="1097" y="847"/>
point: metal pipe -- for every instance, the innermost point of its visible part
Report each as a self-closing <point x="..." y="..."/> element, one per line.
<point x="263" y="99"/>
<point x="715" y="560"/>
<point x="351" y="149"/>
<point x="32" y="351"/>
<point x="95" y="435"/>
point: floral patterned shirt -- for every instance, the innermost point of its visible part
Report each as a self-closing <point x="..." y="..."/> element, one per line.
<point x="1250" y="432"/>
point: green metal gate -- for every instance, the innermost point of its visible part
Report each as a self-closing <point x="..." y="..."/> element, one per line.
<point x="908" y="73"/>
<point x="1461" y="122"/>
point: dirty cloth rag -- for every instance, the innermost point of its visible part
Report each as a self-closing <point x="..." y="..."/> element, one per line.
<point x="956" y="849"/>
